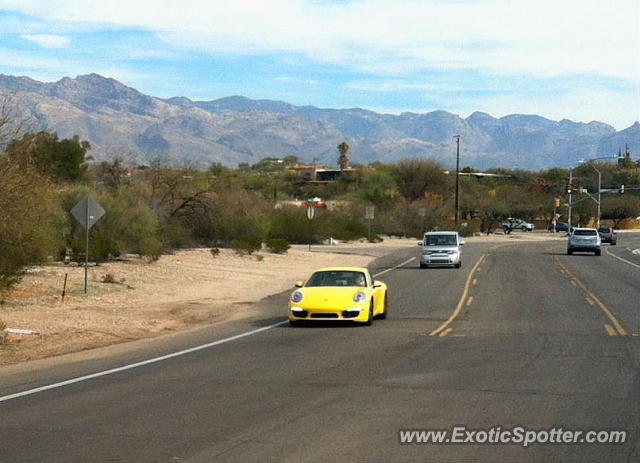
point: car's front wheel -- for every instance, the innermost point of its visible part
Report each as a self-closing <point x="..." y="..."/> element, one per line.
<point x="295" y="323"/>
<point x="569" y="252"/>
<point x="383" y="315"/>
<point x="598" y="252"/>
<point x="369" y="321"/>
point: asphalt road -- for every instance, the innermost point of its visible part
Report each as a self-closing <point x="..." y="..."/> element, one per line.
<point x="540" y="339"/>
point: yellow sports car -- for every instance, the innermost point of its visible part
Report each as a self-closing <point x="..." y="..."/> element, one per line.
<point x="341" y="293"/>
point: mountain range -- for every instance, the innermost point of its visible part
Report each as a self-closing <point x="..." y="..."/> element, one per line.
<point x="117" y="119"/>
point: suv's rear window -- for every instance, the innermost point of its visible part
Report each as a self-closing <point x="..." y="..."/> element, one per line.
<point x="604" y="230"/>
<point x="585" y="232"/>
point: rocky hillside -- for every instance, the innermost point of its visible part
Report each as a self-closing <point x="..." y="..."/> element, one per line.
<point x="116" y="119"/>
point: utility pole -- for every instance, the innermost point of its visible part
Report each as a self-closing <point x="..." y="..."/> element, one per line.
<point x="570" y="190"/>
<point x="457" y="139"/>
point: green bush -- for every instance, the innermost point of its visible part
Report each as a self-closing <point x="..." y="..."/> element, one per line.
<point x="28" y="232"/>
<point x="291" y="224"/>
<point x="278" y="245"/>
<point x="247" y="245"/>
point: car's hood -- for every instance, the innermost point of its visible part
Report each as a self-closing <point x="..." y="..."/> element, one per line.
<point x="331" y="297"/>
<point x="439" y="248"/>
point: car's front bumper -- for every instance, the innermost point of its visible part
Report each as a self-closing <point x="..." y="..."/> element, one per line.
<point x="298" y="312"/>
<point x="440" y="259"/>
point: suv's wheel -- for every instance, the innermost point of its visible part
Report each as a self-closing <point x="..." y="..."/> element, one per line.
<point x="598" y="252"/>
<point x="423" y="265"/>
<point x="569" y="251"/>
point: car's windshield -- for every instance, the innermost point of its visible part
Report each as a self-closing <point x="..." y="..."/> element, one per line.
<point x="584" y="232"/>
<point x="440" y="240"/>
<point x="604" y="229"/>
<point x="337" y="278"/>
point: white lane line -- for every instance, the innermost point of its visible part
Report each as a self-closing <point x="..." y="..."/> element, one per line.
<point x="161" y="358"/>
<point x="138" y="364"/>
<point x="621" y="258"/>
<point x="394" y="268"/>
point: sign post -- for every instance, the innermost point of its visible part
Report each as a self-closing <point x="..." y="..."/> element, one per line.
<point x="87" y="212"/>
<point x="311" y="213"/>
<point x="369" y="214"/>
<point x="422" y="213"/>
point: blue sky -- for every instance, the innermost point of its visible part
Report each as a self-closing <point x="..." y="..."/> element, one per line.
<point x="561" y="59"/>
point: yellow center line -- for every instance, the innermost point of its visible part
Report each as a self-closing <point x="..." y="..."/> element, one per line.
<point x="458" y="308"/>
<point x="594" y="298"/>
<point x="474" y="282"/>
<point x="446" y="332"/>
<point x="610" y="330"/>
<point x="469" y="301"/>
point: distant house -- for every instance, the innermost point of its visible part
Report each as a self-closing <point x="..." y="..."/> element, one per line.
<point x="318" y="173"/>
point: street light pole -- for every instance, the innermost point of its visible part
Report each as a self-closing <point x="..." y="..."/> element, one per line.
<point x="599" y="189"/>
<point x="570" y="190"/>
<point x="590" y="162"/>
<point x="457" y="139"/>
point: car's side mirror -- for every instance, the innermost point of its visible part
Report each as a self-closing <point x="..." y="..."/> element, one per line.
<point x="462" y="242"/>
<point x="377" y="284"/>
<point x="299" y="284"/>
<point x="419" y="243"/>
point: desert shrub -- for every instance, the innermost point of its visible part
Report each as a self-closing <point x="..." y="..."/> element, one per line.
<point x="259" y="257"/>
<point x="176" y="235"/>
<point x="109" y="278"/>
<point x="278" y="245"/>
<point x="27" y="221"/>
<point x="247" y="245"/>
<point x="215" y="252"/>
<point x="376" y="239"/>
<point x="291" y="224"/>
<point x="128" y="226"/>
<point x="344" y="224"/>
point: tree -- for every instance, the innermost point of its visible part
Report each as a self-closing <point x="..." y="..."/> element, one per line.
<point x="28" y="215"/>
<point x="343" y="159"/>
<point x="620" y="207"/>
<point x="416" y="177"/>
<point x="62" y="160"/>
<point x="14" y="122"/>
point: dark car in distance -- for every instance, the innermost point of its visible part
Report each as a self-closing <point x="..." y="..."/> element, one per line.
<point x="608" y="235"/>
<point x="560" y="227"/>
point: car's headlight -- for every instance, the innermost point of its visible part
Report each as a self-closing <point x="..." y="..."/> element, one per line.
<point x="360" y="296"/>
<point x="297" y="296"/>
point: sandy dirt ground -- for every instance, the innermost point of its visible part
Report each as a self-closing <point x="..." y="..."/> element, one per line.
<point x="179" y="291"/>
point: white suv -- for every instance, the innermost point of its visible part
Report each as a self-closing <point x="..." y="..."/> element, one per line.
<point x="441" y="248"/>
<point x="584" y="240"/>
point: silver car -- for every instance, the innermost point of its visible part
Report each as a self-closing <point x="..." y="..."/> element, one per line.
<point x="584" y="240"/>
<point x="441" y="248"/>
